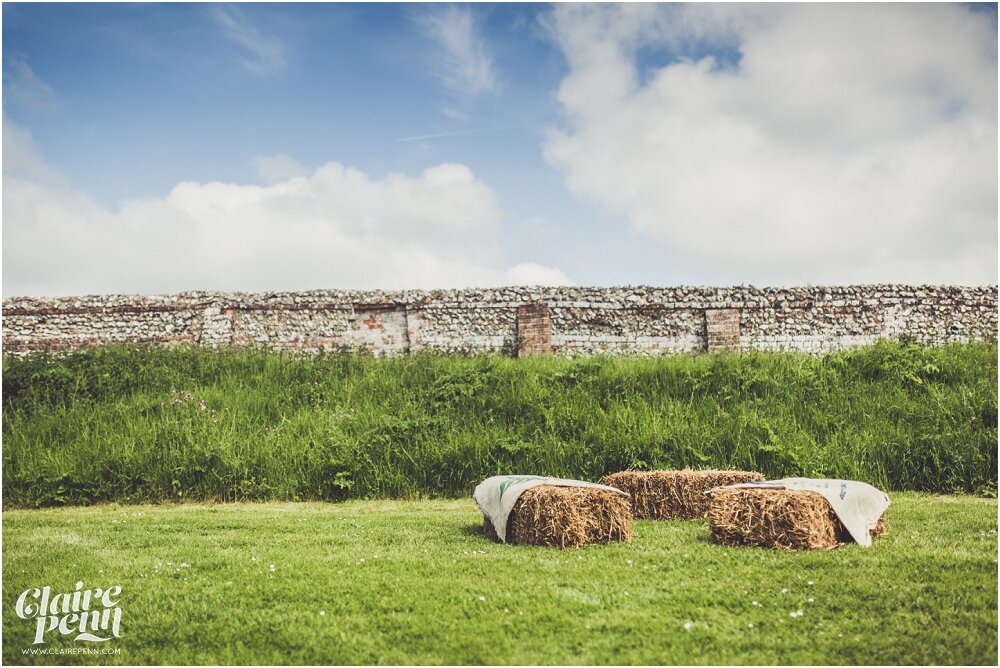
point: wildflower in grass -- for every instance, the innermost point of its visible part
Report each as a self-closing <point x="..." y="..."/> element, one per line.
<point x="756" y="603"/>
<point x="810" y="583"/>
<point x="687" y="626"/>
<point x="784" y="591"/>
<point x="750" y="625"/>
<point x="482" y="598"/>
<point x="271" y="567"/>
<point x="322" y="613"/>
<point x="809" y="600"/>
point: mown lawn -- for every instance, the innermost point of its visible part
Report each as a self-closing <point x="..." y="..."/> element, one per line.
<point x="412" y="582"/>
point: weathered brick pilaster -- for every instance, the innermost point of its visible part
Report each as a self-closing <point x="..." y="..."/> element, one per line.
<point x="722" y="329"/>
<point x="534" y="330"/>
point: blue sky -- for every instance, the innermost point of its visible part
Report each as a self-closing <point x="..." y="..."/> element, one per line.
<point x="157" y="148"/>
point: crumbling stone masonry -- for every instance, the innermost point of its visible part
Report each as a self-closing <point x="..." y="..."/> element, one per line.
<point x="522" y="320"/>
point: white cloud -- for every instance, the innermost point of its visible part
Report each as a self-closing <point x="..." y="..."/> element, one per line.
<point x="443" y="135"/>
<point x="530" y="273"/>
<point x="335" y="227"/>
<point x="461" y="60"/>
<point x="851" y="143"/>
<point x="263" y="54"/>
<point x="21" y="155"/>
<point x="272" y="169"/>
<point x="22" y="87"/>
<point x="454" y="114"/>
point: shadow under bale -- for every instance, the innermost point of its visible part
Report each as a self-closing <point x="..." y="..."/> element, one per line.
<point x="673" y="495"/>
<point x="778" y="518"/>
<point x="555" y="516"/>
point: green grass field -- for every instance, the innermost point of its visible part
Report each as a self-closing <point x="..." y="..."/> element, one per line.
<point x="154" y="424"/>
<point x="412" y="582"/>
<point x="326" y="571"/>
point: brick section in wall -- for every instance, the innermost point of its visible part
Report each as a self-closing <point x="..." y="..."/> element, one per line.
<point x="722" y="329"/>
<point x="534" y="330"/>
<point x="380" y="330"/>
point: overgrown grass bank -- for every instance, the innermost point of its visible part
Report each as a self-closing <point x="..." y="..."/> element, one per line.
<point x="149" y="424"/>
<point x="412" y="583"/>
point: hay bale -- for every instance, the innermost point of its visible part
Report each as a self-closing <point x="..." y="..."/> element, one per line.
<point x="777" y="518"/>
<point x="673" y="495"/>
<point x="567" y="517"/>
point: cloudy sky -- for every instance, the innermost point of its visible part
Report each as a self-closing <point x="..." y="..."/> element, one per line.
<point x="159" y="148"/>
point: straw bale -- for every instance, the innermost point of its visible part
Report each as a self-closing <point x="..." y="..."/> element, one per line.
<point x="673" y="495"/>
<point x="556" y="516"/>
<point x="777" y="518"/>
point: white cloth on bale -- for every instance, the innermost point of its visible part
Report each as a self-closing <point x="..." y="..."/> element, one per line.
<point x="857" y="505"/>
<point x="496" y="496"/>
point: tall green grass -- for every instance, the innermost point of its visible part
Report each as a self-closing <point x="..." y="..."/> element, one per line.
<point x="149" y="424"/>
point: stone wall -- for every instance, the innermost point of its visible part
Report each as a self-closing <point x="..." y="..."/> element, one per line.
<point x="561" y="321"/>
